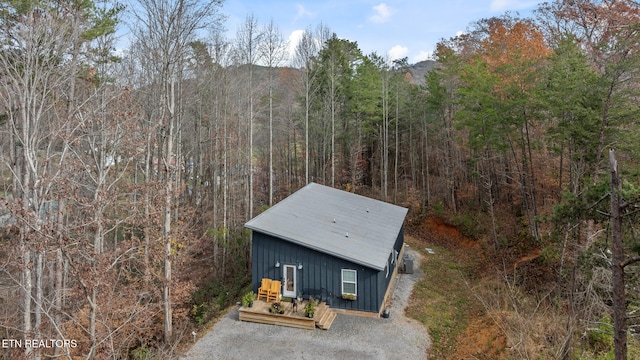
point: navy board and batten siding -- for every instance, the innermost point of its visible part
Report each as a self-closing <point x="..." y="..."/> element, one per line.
<point x="321" y="274"/>
<point x="321" y="231"/>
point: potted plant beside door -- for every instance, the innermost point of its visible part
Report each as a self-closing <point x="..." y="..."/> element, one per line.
<point x="310" y="308"/>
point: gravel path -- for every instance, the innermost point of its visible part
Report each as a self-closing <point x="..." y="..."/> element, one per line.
<point x="350" y="337"/>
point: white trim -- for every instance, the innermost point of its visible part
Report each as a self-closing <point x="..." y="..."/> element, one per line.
<point x="286" y="293"/>
<point x="354" y="282"/>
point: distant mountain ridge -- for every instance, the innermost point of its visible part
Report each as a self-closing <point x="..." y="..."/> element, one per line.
<point x="420" y="69"/>
<point x="417" y="70"/>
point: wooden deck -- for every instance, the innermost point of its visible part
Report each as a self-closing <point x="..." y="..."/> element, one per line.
<point x="259" y="313"/>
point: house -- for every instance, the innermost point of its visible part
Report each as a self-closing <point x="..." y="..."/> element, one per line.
<point x="336" y="246"/>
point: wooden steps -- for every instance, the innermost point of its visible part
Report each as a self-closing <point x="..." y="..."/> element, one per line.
<point x="324" y="316"/>
<point x="259" y="313"/>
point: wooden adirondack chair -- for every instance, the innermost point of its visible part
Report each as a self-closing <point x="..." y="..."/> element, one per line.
<point x="274" y="293"/>
<point x="264" y="288"/>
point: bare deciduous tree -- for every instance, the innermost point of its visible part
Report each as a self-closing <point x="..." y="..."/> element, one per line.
<point x="247" y="53"/>
<point x="30" y="63"/>
<point x="306" y="53"/>
<point x="273" y="53"/>
<point x="163" y="31"/>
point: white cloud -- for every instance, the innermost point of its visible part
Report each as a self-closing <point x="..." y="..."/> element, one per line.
<point x="302" y="12"/>
<point x="422" y="55"/>
<point x="503" y="5"/>
<point x="292" y="42"/>
<point x="382" y="13"/>
<point x="398" y="52"/>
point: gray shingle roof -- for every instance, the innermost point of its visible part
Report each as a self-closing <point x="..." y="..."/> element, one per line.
<point x="346" y="225"/>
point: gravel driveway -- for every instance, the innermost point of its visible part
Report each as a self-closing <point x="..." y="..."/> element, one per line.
<point x="350" y="337"/>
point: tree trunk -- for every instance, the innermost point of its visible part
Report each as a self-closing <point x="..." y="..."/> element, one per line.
<point x="147" y="207"/>
<point x="39" y="297"/>
<point x="307" y="153"/>
<point x="270" y="138"/>
<point x="92" y="323"/>
<point x="250" y="141"/>
<point x="168" y="203"/>
<point x="425" y="166"/>
<point x="397" y="149"/>
<point x="333" y="130"/>
<point x="617" y="269"/>
<point x="385" y="135"/>
<point x="27" y="286"/>
<point x="59" y="291"/>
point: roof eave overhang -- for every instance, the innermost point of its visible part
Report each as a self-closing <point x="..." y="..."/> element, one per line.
<point x="317" y="248"/>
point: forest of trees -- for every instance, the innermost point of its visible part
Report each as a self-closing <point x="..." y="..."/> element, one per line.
<point x="126" y="178"/>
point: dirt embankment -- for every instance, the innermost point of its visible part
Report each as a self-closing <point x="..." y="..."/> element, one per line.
<point x="483" y="333"/>
<point x="482" y="337"/>
<point x="436" y="230"/>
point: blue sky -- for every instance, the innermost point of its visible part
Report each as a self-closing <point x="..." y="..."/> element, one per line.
<point x="396" y="28"/>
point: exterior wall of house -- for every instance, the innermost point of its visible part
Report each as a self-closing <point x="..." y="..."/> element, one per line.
<point x="384" y="277"/>
<point x="321" y="274"/>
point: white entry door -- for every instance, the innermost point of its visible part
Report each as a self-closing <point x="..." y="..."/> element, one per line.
<point x="289" y="283"/>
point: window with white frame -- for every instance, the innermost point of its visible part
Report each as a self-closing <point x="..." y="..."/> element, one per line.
<point x="349" y="281"/>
